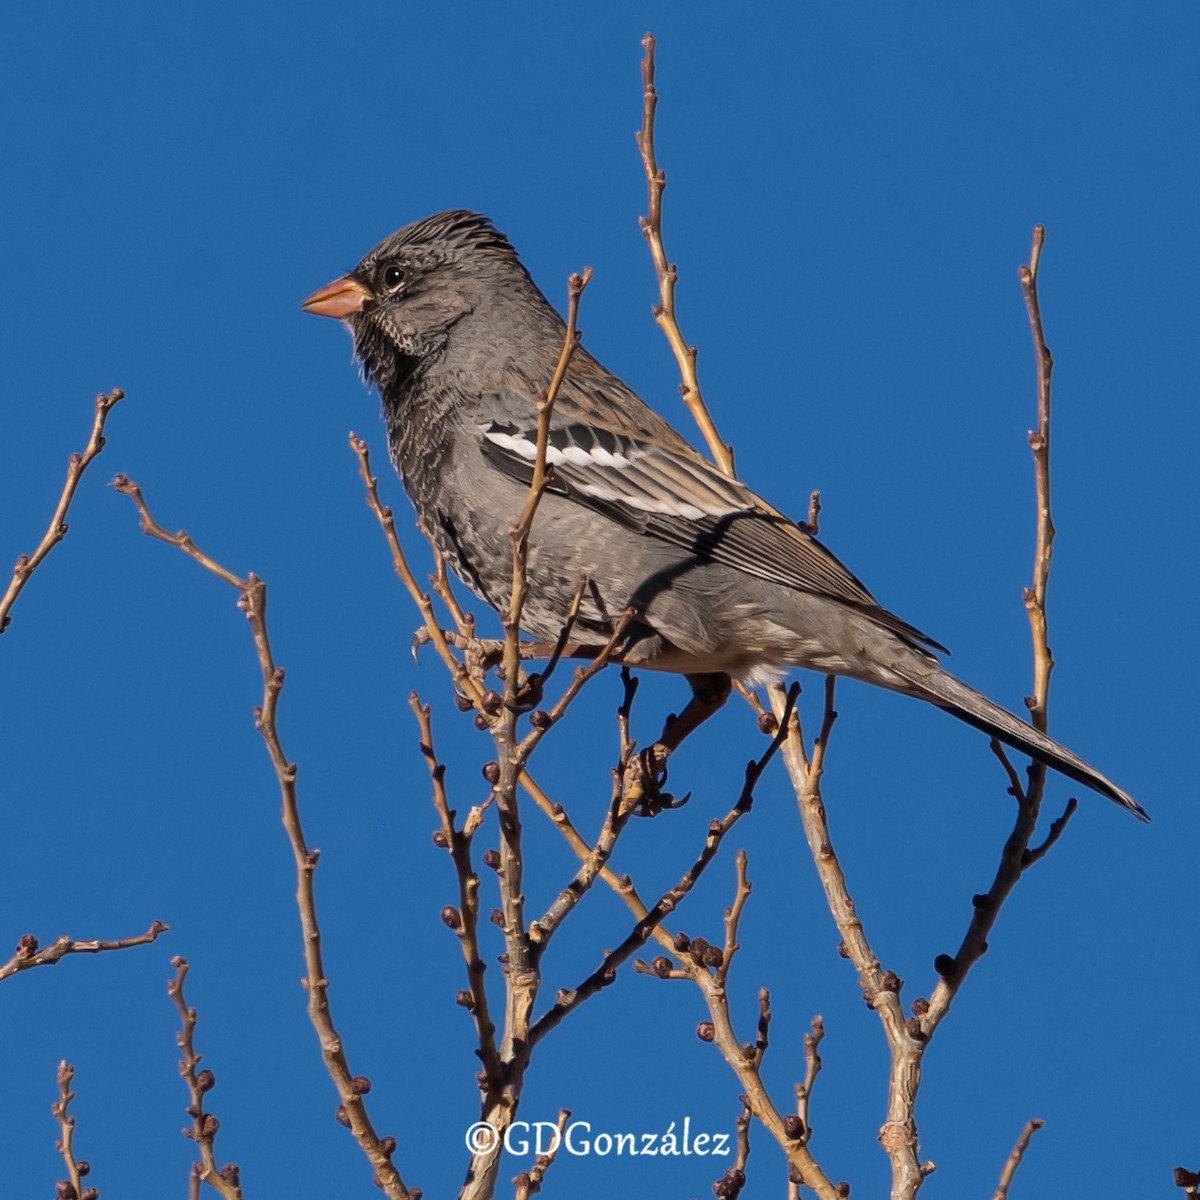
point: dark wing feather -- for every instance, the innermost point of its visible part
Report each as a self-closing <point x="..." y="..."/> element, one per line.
<point x="675" y="496"/>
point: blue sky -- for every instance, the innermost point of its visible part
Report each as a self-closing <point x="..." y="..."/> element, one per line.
<point x="850" y="194"/>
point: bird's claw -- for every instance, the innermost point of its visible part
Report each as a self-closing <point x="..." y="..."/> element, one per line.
<point x="644" y="780"/>
<point x="419" y="639"/>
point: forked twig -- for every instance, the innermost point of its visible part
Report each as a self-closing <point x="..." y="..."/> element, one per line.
<point x="464" y="920"/>
<point x="529" y="1183"/>
<point x="908" y="1038"/>
<point x="1017" y="857"/>
<point x="252" y="600"/>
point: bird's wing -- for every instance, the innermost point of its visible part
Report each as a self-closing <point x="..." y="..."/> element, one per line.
<point x="675" y="496"/>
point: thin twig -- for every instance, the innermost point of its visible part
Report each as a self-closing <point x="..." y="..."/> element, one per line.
<point x="252" y="600"/>
<point x="529" y="1183"/>
<point x="581" y="676"/>
<point x="568" y="1000"/>
<point x="621" y="885"/>
<point x="563" y="642"/>
<point x="593" y="863"/>
<point x="733" y="914"/>
<point x="1015" y="1156"/>
<point x="1039" y="444"/>
<point x="729" y="1186"/>
<point x="1017" y="857"/>
<point x="26" y="564"/>
<point x="471" y="688"/>
<point x="667" y="273"/>
<point x="540" y="478"/>
<point x="1057" y="826"/>
<point x="29" y="955"/>
<point x="223" y="1180"/>
<point x="464" y="622"/>
<point x="76" y="1168"/>
<point x="464" y="920"/>
<point x="812" y="1068"/>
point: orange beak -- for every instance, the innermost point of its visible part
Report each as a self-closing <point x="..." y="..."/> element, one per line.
<point x="340" y="299"/>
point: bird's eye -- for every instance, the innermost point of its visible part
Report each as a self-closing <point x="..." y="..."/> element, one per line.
<point x="392" y="277"/>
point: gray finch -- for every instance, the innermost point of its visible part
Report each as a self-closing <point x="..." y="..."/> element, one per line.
<point x="454" y="333"/>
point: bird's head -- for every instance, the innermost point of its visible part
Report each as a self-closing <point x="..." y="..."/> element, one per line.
<point x="402" y="301"/>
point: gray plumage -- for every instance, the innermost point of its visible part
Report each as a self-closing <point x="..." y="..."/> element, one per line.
<point x="460" y="341"/>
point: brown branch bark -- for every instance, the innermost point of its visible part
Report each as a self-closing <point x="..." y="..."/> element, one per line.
<point x="907" y="1039"/>
<point x="1039" y="444"/>
<point x="469" y="686"/>
<point x="529" y="1183"/>
<point x="1017" y="856"/>
<point x="76" y="1168"/>
<point x="252" y="600"/>
<point x="465" y="919"/>
<point x="667" y="273"/>
<point x="880" y="988"/>
<point x="26" y="564"/>
<point x="29" y="954"/>
<point x="1015" y="1156"/>
<point x="225" y="1181"/>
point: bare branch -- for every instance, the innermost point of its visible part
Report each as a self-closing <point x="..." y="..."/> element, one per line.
<point x="594" y="862"/>
<point x="1015" y="1156"/>
<point x="528" y="1183"/>
<point x="76" y="1168"/>
<point x="729" y="1186"/>
<point x="1017" y="857"/>
<point x="667" y="273"/>
<point x="29" y="955"/>
<point x="1057" y="826"/>
<point x="1039" y="443"/>
<point x="812" y="1068"/>
<point x="77" y="464"/>
<point x="880" y="988"/>
<point x="464" y="622"/>
<point x="621" y="885"/>
<point x="569" y="999"/>
<point x="539" y="481"/>
<point x="252" y="600"/>
<point x="225" y="1181"/>
<point x="581" y="676"/>
<point x="464" y="920"/>
<point x="733" y="914"/>
<point x="471" y="688"/>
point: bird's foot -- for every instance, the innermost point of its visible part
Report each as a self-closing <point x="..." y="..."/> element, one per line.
<point x="529" y="693"/>
<point x="480" y="653"/>
<point x="644" y="782"/>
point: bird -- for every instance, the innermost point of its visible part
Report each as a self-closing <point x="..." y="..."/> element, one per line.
<point x="452" y="331"/>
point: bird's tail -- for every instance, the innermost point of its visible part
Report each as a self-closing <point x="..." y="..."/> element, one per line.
<point x="943" y="689"/>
